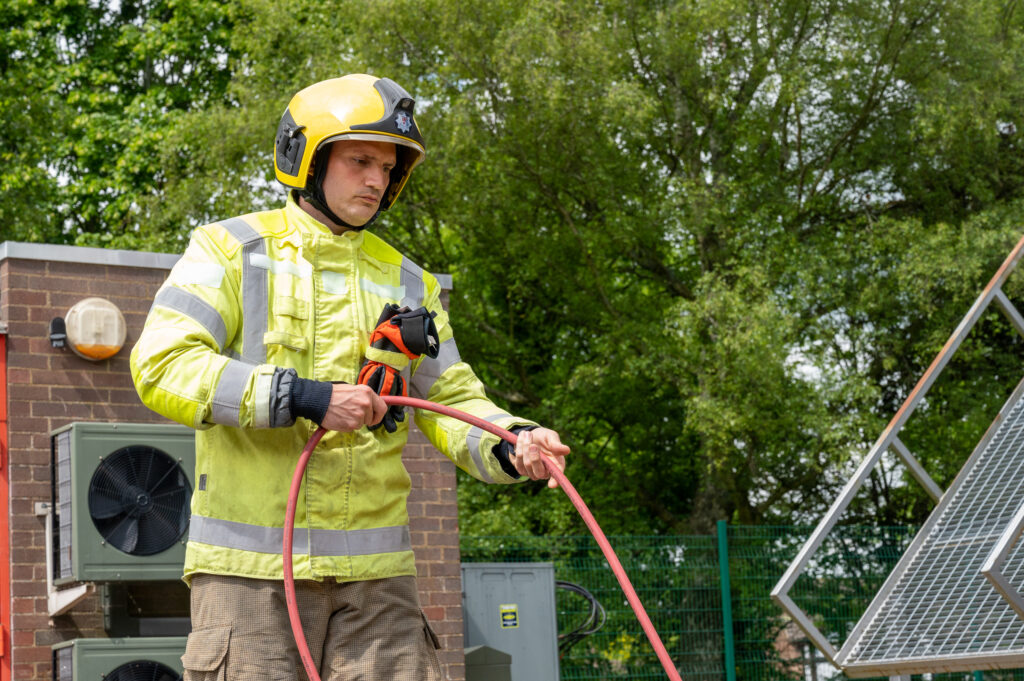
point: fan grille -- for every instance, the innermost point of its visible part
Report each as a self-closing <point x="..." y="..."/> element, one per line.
<point x="143" y="670"/>
<point x="139" y="500"/>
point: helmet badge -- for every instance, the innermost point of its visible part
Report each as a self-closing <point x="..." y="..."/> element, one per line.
<point x="403" y="121"/>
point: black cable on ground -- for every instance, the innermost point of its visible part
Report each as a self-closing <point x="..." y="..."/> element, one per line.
<point x="594" y="621"/>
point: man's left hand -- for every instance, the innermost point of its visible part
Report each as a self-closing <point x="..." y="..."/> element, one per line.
<point x="532" y="446"/>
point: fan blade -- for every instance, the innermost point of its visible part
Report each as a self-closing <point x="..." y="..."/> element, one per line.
<point x="125" y="535"/>
<point x="105" y="504"/>
<point x="112" y="476"/>
<point x="165" y="480"/>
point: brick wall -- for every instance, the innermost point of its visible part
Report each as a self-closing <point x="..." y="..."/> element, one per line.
<point x="48" y="388"/>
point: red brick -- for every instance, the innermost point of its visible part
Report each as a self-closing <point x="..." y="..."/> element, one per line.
<point x="433" y="614"/>
<point x="23" y="605"/>
<point x="63" y="410"/>
<point x="424" y="524"/>
<point x="17" y="313"/>
<point x="79" y="393"/>
<point x="24" y="572"/>
<point x="441" y="510"/>
<point x="429" y="554"/>
<point x="25" y="671"/>
<point x="34" y="654"/>
<point x="36" y="490"/>
<point x="445" y="598"/>
<point x="78" y="270"/>
<point x="30" y="298"/>
<point x="421" y="465"/>
<point x="16" y="376"/>
<point x="20" y="589"/>
<point x="123" y="396"/>
<point x="31" y="393"/>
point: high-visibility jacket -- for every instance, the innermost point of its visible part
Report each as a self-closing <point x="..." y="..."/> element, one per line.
<point x="257" y="295"/>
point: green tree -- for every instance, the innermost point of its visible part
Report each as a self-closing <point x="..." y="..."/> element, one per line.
<point x="664" y="219"/>
<point x="713" y="243"/>
<point x="96" y="89"/>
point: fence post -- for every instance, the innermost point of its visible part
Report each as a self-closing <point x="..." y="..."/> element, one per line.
<point x="723" y="568"/>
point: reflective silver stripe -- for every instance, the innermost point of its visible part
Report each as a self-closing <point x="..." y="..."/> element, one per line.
<point x="262" y="398"/>
<point x="227" y="399"/>
<point x="245" y="537"/>
<point x="473" y="443"/>
<point x="302" y="270"/>
<point x="334" y="282"/>
<point x="431" y="369"/>
<point x="383" y="290"/>
<point x="196" y="309"/>
<point x="412" y="282"/>
<point x="241" y="230"/>
<point x="255" y="290"/>
<point x="197" y="273"/>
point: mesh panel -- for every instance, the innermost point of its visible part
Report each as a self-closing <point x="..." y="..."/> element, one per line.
<point x="62" y="659"/>
<point x="64" y="515"/>
<point x="941" y="605"/>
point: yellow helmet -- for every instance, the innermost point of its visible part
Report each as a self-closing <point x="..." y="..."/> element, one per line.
<point x="356" y="106"/>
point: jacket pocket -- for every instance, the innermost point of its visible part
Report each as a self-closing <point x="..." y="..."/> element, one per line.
<point x="287" y="340"/>
<point x="205" y="654"/>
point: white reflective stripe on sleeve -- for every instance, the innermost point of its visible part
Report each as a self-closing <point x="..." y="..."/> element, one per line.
<point x="245" y="537"/>
<point x="197" y="273"/>
<point x="412" y="283"/>
<point x="473" y="444"/>
<point x="334" y="282"/>
<point x="196" y="309"/>
<point x="302" y="270"/>
<point x="431" y="369"/>
<point x="261" y="398"/>
<point x="227" y="398"/>
<point x="383" y="290"/>
<point x="255" y="290"/>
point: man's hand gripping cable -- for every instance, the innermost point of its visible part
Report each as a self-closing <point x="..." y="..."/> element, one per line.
<point x="563" y="482"/>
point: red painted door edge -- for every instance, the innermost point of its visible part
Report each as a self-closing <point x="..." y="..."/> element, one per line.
<point x="5" y="522"/>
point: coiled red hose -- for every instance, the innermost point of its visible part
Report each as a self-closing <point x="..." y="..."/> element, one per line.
<point x="563" y="482"/>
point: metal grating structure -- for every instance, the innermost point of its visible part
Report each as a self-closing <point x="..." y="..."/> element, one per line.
<point x="62" y="505"/>
<point x="937" y="611"/>
<point x="952" y="602"/>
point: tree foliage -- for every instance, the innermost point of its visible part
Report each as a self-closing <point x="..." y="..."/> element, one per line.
<point x="713" y="243"/>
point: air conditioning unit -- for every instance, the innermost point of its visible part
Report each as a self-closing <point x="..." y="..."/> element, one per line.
<point x="156" y="658"/>
<point x="120" y="507"/>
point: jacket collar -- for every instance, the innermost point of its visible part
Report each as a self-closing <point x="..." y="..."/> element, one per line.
<point x="306" y="223"/>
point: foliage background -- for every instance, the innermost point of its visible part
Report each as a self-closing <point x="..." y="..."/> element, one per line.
<point x="714" y="243"/>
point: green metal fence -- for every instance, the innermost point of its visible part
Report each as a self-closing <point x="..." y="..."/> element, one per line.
<point x="708" y="597"/>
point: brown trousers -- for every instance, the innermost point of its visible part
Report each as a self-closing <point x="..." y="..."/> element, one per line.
<point x="356" y="631"/>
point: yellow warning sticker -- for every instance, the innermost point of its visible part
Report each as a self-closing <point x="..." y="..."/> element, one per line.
<point x="509" y="615"/>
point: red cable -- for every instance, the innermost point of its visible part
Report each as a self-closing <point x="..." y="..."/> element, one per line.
<point x="563" y="482"/>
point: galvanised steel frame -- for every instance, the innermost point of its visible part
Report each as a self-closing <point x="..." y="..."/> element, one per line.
<point x="889" y="440"/>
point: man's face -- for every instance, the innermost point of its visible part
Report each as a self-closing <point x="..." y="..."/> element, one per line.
<point x="358" y="172"/>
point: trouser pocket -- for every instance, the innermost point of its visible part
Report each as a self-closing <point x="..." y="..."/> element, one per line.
<point x="205" y="654"/>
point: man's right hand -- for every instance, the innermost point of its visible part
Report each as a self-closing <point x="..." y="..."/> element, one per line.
<point x="352" y="407"/>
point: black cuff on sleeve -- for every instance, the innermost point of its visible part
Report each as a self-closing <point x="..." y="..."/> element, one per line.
<point x="310" y="399"/>
<point x="503" y="452"/>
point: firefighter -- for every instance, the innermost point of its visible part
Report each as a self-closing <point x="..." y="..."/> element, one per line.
<point x="275" y="322"/>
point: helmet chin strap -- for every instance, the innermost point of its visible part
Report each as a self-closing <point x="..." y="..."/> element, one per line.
<point x="315" y="193"/>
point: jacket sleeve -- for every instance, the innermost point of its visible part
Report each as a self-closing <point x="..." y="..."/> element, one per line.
<point x="184" y="366"/>
<point x="449" y="381"/>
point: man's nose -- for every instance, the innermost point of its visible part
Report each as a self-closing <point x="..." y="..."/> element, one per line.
<point x="377" y="177"/>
